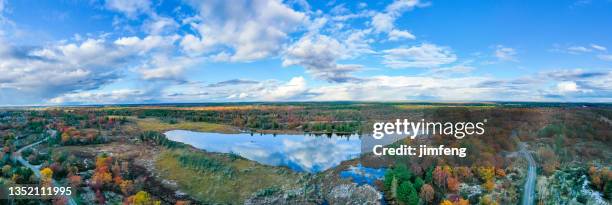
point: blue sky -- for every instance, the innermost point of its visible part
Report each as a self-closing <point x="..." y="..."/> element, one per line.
<point x="138" y="51"/>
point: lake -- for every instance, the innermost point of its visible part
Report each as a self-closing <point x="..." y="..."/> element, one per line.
<point x="305" y="153"/>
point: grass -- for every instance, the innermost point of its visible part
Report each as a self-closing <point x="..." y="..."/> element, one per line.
<point x="154" y="124"/>
<point x="220" y="187"/>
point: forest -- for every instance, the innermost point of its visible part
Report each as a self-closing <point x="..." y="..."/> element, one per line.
<point x="120" y="155"/>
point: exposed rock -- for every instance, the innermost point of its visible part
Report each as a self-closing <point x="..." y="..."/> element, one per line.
<point x="295" y="196"/>
<point x="353" y="194"/>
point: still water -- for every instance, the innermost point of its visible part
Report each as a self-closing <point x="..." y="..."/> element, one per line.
<point x="306" y="153"/>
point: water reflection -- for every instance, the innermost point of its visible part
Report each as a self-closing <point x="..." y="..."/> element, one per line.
<point x="298" y="152"/>
<point x="363" y="175"/>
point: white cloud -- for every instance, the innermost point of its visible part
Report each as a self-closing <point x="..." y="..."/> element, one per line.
<point x="422" y="56"/>
<point x="319" y="55"/>
<point x="131" y="8"/>
<point x="362" y="5"/>
<point x="567" y="86"/>
<point x="146" y="44"/>
<point x="295" y="87"/>
<point x="398" y="88"/>
<point x="395" y="35"/>
<point x="115" y="96"/>
<point x="598" y="47"/>
<point x="160" y="25"/>
<point x="605" y="57"/>
<point x="249" y="30"/>
<point x="163" y="67"/>
<point x="45" y="72"/>
<point x="578" y="49"/>
<point x="383" y="22"/>
<point x="505" y="53"/>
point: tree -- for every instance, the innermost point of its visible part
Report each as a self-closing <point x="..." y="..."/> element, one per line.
<point x="463" y="173"/>
<point x="427" y="193"/>
<point x="486" y="200"/>
<point x="418" y="183"/>
<point x="102" y="175"/>
<point x="489" y="185"/>
<point x="608" y="189"/>
<point x="6" y="170"/>
<point x="439" y="176"/>
<point x="407" y="194"/>
<point x="388" y="181"/>
<point x="127" y="187"/>
<point x="500" y="173"/>
<point x="65" y="137"/>
<point x="486" y="173"/>
<point x="142" y="198"/>
<point x="75" y="181"/>
<point x="462" y="202"/>
<point x="452" y="184"/>
<point x="46" y="175"/>
<point x="446" y="202"/>
<point x="99" y="179"/>
<point x="403" y="173"/>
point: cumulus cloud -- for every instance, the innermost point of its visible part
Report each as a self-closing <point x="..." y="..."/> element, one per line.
<point x="395" y="35"/>
<point x="503" y="53"/>
<point x="567" y="86"/>
<point x="383" y="22"/>
<point x="397" y="88"/>
<point x="115" y="96"/>
<point x="295" y="87"/>
<point x="319" y="55"/>
<point x="425" y="55"/>
<point x="44" y="72"/>
<point x="163" y="67"/>
<point x="131" y="8"/>
<point x="572" y="84"/>
<point x="146" y="44"/>
<point x="249" y="30"/>
<point x="160" y="25"/>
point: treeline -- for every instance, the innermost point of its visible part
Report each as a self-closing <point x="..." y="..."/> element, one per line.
<point x="310" y="119"/>
<point x="202" y="163"/>
<point x="159" y="139"/>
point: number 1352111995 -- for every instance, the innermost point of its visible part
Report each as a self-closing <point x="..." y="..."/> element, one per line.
<point x="36" y="191"/>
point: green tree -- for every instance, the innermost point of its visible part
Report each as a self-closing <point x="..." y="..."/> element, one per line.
<point x="608" y="189"/>
<point x="403" y="173"/>
<point x="407" y="194"/>
<point x="388" y="181"/>
<point x="418" y="183"/>
<point x="429" y="175"/>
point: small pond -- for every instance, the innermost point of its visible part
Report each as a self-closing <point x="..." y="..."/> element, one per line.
<point x="363" y="175"/>
<point x="306" y="153"/>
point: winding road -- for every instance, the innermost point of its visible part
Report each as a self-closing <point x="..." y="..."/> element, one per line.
<point x="36" y="168"/>
<point x="529" y="190"/>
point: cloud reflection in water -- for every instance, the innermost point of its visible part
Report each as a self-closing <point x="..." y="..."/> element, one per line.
<point x="298" y="152"/>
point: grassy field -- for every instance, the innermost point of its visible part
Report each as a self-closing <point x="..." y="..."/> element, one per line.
<point x="233" y="187"/>
<point x="157" y="125"/>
